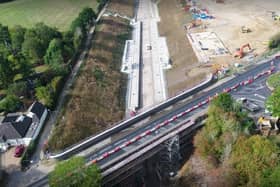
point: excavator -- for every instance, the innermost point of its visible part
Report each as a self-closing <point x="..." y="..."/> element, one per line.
<point x="240" y="51"/>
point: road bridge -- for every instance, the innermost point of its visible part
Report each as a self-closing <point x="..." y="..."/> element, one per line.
<point x="115" y="153"/>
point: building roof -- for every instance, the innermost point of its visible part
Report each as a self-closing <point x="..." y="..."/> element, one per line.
<point x="38" y="109"/>
<point x="15" y="126"/>
<point x="7" y="131"/>
<point x="10" y="118"/>
<point x="22" y="124"/>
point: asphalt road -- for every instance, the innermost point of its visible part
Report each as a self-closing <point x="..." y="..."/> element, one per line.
<point x="255" y="91"/>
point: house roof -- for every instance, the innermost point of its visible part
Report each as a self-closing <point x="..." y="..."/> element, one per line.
<point x="15" y="126"/>
<point x="7" y="131"/>
<point x="10" y="118"/>
<point x="38" y="109"/>
<point x="22" y="124"/>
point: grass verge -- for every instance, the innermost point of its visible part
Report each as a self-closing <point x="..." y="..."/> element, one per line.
<point x="52" y="12"/>
<point x="274" y="80"/>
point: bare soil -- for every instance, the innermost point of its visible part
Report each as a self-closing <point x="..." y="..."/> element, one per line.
<point x="183" y="59"/>
<point x="233" y="14"/>
<point x="229" y="18"/>
<point x="97" y="99"/>
<point x="8" y="162"/>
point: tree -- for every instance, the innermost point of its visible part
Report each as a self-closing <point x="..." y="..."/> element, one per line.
<point x="68" y="46"/>
<point x="101" y="4"/>
<point x="85" y="19"/>
<point x="77" y="24"/>
<point x="5" y="36"/>
<point x="10" y="103"/>
<point x="54" y="53"/>
<point x="31" y="47"/>
<point x="225" y="123"/>
<point x="88" y="17"/>
<point x="45" y="95"/>
<point x="18" y="89"/>
<point x="6" y="73"/>
<point x="56" y="85"/>
<point x="54" y="57"/>
<point x="36" y="41"/>
<point x="251" y="157"/>
<point x="224" y="101"/>
<point x="78" y="38"/>
<point x="17" y="37"/>
<point x="19" y="64"/>
<point x="273" y="102"/>
<point x="46" y="34"/>
<point x="74" y="173"/>
<point x="271" y="177"/>
<point x="3" y="1"/>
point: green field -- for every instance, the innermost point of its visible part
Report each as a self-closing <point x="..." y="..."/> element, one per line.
<point x="57" y="13"/>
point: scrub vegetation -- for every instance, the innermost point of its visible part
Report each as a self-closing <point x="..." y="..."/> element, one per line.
<point x="97" y="99"/>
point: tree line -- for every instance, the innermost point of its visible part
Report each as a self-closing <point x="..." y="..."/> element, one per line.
<point x="228" y="141"/>
<point x="22" y="50"/>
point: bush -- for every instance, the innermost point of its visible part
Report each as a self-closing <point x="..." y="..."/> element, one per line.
<point x="18" y="89"/>
<point x="25" y="159"/>
<point x="273" y="102"/>
<point x="57" y="85"/>
<point x="4" y="1"/>
<point x="74" y="172"/>
<point x="224" y="124"/>
<point x="251" y="157"/>
<point x="98" y="75"/>
<point x="45" y="95"/>
<point x="274" y="42"/>
<point x="10" y="103"/>
<point x="271" y="177"/>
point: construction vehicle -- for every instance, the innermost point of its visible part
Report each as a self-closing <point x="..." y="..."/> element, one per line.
<point x="240" y="51"/>
<point x="245" y="29"/>
<point x="194" y="23"/>
<point x="248" y="105"/>
<point x="268" y="123"/>
<point x="216" y="68"/>
<point x="275" y="16"/>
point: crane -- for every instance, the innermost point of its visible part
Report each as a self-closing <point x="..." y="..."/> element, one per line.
<point x="240" y="52"/>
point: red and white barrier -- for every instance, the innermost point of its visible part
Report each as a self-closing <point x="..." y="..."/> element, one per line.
<point x="175" y="117"/>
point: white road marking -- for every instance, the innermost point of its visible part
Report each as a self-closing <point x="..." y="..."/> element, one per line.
<point x="260" y="96"/>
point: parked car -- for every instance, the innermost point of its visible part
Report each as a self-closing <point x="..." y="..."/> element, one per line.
<point x="248" y="105"/>
<point x="19" y="150"/>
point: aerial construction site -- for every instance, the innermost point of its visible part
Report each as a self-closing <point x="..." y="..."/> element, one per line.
<point x="214" y="35"/>
<point x="199" y="38"/>
<point x="153" y="88"/>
